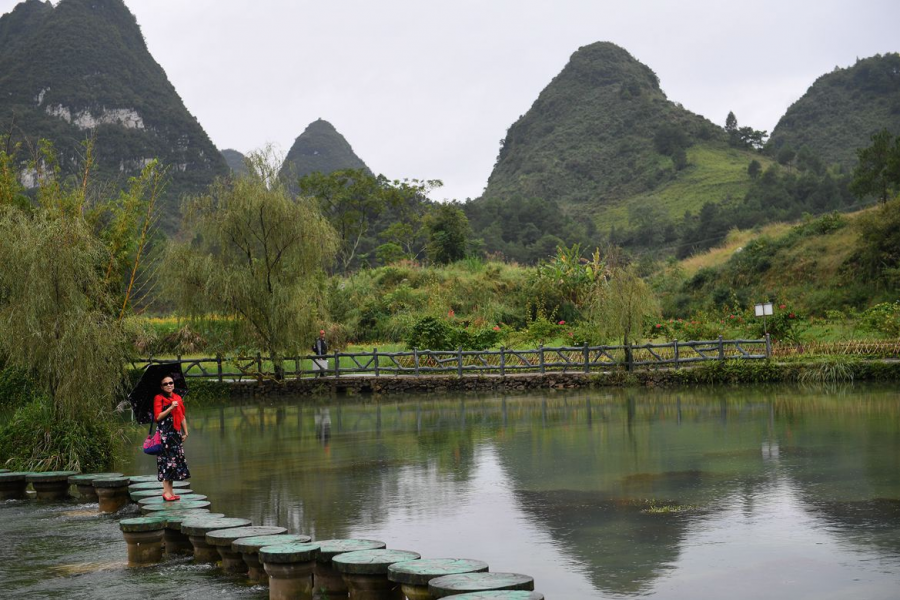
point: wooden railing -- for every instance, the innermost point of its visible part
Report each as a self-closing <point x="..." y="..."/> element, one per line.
<point x="582" y="359"/>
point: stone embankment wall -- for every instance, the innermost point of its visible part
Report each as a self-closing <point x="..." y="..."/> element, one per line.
<point x="449" y="383"/>
<point x="727" y="372"/>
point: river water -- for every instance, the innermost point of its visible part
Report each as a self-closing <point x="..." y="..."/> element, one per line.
<point x="776" y="492"/>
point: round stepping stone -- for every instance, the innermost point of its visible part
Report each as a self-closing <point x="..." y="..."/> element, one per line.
<point x="413" y="576"/>
<point x="85" y="484"/>
<point x="51" y="485"/>
<point x="249" y="550"/>
<point x="196" y="530"/>
<point x="158" y="499"/>
<point x="222" y="539"/>
<point x="365" y="571"/>
<point x="148" y="509"/>
<point x="144" y="538"/>
<point x="112" y="493"/>
<point x="12" y="486"/>
<point x="500" y="595"/>
<point x="176" y="542"/>
<point x="449" y="585"/>
<point x="141" y="478"/>
<point x="174" y="518"/>
<point x="5" y="471"/>
<point x="155" y="485"/>
<point x="326" y="578"/>
<point x="290" y="569"/>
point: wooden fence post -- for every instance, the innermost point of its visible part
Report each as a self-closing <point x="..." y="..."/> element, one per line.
<point x="587" y="358"/>
<point x="721" y="349"/>
<point x="768" y="346"/>
<point x="541" y="350"/>
<point x="416" y="360"/>
<point x="459" y="355"/>
<point x="259" y="363"/>
<point x="375" y="360"/>
<point x="297" y="367"/>
<point x="676" y="353"/>
<point x="629" y="356"/>
<point x="337" y="364"/>
<point x="219" y="365"/>
<point x="502" y="361"/>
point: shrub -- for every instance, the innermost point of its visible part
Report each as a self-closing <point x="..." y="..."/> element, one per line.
<point x="34" y="440"/>
<point x="431" y="333"/>
<point x="884" y="318"/>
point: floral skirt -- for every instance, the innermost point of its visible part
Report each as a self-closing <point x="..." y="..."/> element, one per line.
<point x="170" y="464"/>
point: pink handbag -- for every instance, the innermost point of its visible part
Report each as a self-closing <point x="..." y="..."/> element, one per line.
<point x="153" y="443"/>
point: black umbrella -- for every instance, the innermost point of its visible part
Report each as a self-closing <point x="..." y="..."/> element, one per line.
<point x="141" y="397"/>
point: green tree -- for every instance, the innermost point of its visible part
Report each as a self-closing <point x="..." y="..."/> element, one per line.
<point x="448" y="234"/>
<point x="620" y="305"/>
<point x="878" y="171"/>
<point x="754" y="168"/>
<point x="352" y="200"/>
<point x="256" y="256"/>
<point x="786" y="155"/>
<point x="59" y="322"/>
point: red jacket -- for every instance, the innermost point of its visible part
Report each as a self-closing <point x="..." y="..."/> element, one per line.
<point x="161" y="403"/>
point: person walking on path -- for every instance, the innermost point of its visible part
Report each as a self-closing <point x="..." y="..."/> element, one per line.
<point x="168" y="411"/>
<point x="320" y="349"/>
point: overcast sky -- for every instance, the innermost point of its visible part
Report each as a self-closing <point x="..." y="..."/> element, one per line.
<point x="427" y="88"/>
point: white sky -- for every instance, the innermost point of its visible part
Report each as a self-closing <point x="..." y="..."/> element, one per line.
<point x="427" y="88"/>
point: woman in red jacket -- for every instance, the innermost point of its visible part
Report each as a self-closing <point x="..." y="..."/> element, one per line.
<point x="168" y="410"/>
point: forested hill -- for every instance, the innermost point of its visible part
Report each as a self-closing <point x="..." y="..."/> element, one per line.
<point x="319" y="148"/>
<point x="589" y="137"/>
<point x="83" y="68"/>
<point x="842" y="109"/>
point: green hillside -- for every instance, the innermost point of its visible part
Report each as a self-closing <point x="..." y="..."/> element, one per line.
<point x="842" y="109"/>
<point x="82" y="69"/>
<point x="319" y="148"/>
<point x="590" y="137"/>
<point x="715" y="172"/>
<point x="837" y="262"/>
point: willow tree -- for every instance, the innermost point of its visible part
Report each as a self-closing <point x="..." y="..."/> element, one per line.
<point x="70" y="262"/>
<point x="619" y="305"/>
<point x="256" y="256"/>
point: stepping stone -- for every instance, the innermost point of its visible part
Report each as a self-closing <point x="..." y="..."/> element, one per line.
<point x="449" y="585"/>
<point x="500" y="595"/>
<point x="223" y="538"/>
<point x="144" y="537"/>
<point x="112" y="492"/>
<point x="290" y="569"/>
<point x="12" y="486"/>
<point x="182" y="498"/>
<point x="326" y="578"/>
<point x="175" y="541"/>
<point x="85" y="484"/>
<point x="148" y="509"/>
<point x="196" y="530"/>
<point x="155" y="485"/>
<point x="249" y="548"/>
<point x="365" y="571"/>
<point x="51" y="485"/>
<point x="138" y="496"/>
<point x="413" y="576"/>
<point x="141" y="478"/>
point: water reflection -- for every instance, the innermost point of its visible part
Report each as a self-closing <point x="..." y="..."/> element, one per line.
<point x="782" y="492"/>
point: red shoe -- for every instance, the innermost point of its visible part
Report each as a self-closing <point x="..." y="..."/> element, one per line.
<point x="171" y="498"/>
